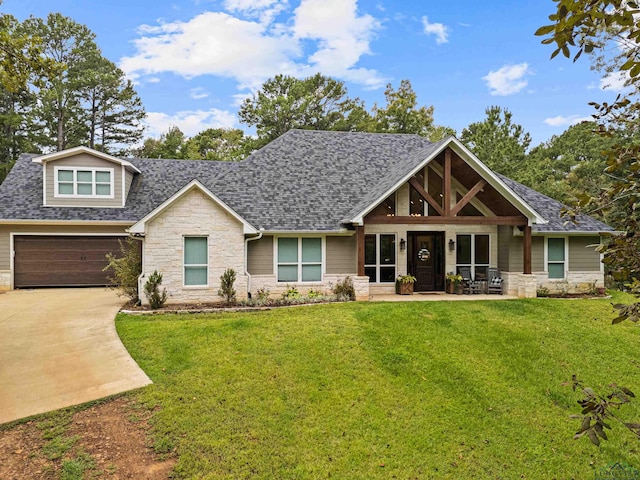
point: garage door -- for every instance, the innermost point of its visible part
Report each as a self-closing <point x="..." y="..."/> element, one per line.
<point x="47" y="261"/>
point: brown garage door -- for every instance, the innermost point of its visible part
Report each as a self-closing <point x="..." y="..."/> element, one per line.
<point x="46" y="261"/>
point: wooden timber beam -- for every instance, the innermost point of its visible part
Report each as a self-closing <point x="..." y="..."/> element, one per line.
<point x="360" y="248"/>
<point x="526" y="246"/>
<point x="446" y="180"/>
<point x="468" y="196"/>
<point x="424" y="194"/>
<point x="507" y="220"/>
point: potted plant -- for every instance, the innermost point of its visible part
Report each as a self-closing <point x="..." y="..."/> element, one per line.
<point x="404" y="284"/>
<point x="454" y="282"/>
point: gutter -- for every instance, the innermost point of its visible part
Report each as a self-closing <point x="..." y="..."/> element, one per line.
<point x="246" y="258"/>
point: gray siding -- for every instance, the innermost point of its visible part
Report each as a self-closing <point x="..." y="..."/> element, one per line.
<point x="504" y="240"/>
<point x="5" y="230"/>
<point x="84" y="160"/>
<point x="128" y="180"/>
<point x="342" y="255"/>
<point x="582" y="254"/>
<point x="516" y="258"/>
<point x="260" y="256"/>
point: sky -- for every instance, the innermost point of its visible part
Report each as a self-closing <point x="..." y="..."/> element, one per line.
<point x="194" y="61"/>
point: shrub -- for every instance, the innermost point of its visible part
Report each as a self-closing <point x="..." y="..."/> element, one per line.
<point x="344" y="289"/>
<point x="226" y="290"/>
<point x="291" y="293"/>
<point x="262" y="294"/>
<point x="152" y="290"/>
<point x="127" y="267"/>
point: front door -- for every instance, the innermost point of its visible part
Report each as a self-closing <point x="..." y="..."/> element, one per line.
<point x="425" y="260"/>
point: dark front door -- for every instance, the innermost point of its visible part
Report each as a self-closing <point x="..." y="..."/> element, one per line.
<point x="425" y="260"/>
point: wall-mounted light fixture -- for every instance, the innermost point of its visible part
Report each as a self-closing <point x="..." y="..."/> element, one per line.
<point x="452" y="245"/>
<point x="403" y="244"/>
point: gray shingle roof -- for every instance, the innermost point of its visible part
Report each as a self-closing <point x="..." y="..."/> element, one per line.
<point x="303" y="181"/>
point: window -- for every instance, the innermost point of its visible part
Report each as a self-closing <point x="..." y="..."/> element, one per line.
<point x="84" y="182"/>
<point x="380" y="258"/>
<point x="473" y="251"/>
<point x="299" y="259"/>
<point x="417" y="206"/>
<point x="555" y="257"/>
<point x="196" y="263"/>
<point x="386" y="208"/>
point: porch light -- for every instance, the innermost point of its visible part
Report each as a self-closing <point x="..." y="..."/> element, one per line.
<point x="452" y="245"/>
<point x="403" y="244"/>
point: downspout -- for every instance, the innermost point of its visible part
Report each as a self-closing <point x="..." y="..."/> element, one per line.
<point x="246" y="259"/>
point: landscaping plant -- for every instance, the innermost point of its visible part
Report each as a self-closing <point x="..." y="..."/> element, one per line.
<point x="226" y="290"/>
<point x="152" y="291"/>
<point x="126" y="268"/>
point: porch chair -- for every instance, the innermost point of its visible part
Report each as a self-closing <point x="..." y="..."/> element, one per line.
<point x="495" y="281"/>
<point x="468" y="284"/>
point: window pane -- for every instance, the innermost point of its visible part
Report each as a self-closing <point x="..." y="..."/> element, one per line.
<point x="287" y="273"/>
<point x="387" y="207"/>
<point x="387" y="250"/>
<point x="84" y="176"/>
<point x="85" y="189"/>
<point x="103" y="177"/>
<point x="387" y="274"/>
<point x="65" y="188"/>
<point x="481" y="273"/>
<point x="556" y="250"/>
<point x="370" y="249"/>
<point x="311" y="273"/>
<point x="195" y="251"/>
<point x="311" y="250"/>
<point x="103" y="189"/>
<point x="463" y="247"/>
<point x="556" y="270"/>
<point x="371" y="273"/>
<point x="195" y="275"/>
<point x="482" y="249"/>
<point x="65" y="175"/>
<point x="287" y="250"/>
<point x="416" y="203"/>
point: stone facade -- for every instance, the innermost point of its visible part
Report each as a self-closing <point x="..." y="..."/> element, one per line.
<point x="194" y="214"/>
<point x="5" y="280"/>
<point x="527" y="285"/>
<point x="275" y="288"/>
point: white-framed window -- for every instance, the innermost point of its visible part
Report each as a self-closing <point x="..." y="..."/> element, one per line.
<point x="380" y="257"/>
<point x="556" y="257"/>
<point x="474" y="251"/>
<point x="196" y="261"/>
<point x="83" y="182"/>
<point x="299" y="259"/>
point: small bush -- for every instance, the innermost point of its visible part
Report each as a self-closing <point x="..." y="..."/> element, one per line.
<point x="315" y="294"/>
<point x="127" y="267"/>
<point x="344" y="290"/>
<point x="542" y="291"/>
<point x="262" y="294"/>
<point x="291" y="293"/>
<point x="152" y="290"/>
<point x="226" y="290"/>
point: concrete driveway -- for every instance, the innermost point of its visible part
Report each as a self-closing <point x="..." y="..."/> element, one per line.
<point x="59" y="347"/>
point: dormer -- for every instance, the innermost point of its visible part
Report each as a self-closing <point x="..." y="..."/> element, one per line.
<point x="82" y="177"/>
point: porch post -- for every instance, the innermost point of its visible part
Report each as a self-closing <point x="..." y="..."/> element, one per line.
<point x="446" y="179"/>
<point x="526" y="254"/>
<point x="360" y="248"/>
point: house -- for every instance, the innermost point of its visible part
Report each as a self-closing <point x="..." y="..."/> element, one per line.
<point x="307" y="210"/>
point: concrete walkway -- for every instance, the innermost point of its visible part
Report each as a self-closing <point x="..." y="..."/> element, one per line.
<point x="59" y="347"/>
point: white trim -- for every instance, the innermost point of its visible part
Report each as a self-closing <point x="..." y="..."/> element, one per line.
<point x="74" y="182"/>
<point x="473" y="263"/>
<point x="299" y="263"/>
<point x="44" y="186"/>
<point x="42" y="159"/>
<point x="65" y="222"/>
<point x="184" y="266"/>
<point x="480" y="168"/>
<point x="124" y="183"/>
<point x="378" y="265"/>
<point x="140" y="225"/>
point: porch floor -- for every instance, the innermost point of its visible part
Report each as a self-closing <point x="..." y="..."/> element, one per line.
<point x="436" y="296"/>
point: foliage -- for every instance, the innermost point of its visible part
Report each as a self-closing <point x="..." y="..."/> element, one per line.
<point x="262" y="294"/>
<point x="226" y="290"/>
<point x="406" y="279"/>
<point x="126" y="268"/>
<point x="152" y="290"/>
<point x="342" y="389"/>
<point x="498" y="142"/>
<point x="456" y="278"/>
<point x="345" y="289"/>
<point x="291" y="293"/>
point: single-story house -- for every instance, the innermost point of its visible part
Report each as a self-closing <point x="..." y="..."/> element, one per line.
<point x="306" y="210"/>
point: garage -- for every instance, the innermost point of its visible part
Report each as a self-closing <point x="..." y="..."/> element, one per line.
<point x="59" y="261"/>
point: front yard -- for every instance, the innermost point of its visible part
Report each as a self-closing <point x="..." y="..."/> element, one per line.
<point x="365" y="390"/>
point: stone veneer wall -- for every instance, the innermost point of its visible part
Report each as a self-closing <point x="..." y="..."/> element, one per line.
<point x="275" y="288"/>
<point x="5" y="280"/>
<point x="576" y="282"/>
<point x="194" y="214"/>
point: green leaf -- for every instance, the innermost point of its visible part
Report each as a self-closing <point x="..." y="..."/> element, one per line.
<point x="545" y="30"/>
<point x="593" y="437"/>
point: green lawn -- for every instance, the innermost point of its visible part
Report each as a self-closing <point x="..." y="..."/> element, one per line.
<point x="371" y="390"/>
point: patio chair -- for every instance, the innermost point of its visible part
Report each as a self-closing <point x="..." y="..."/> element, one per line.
<point x="495" y="281"/>
<point x="468" y="284"/>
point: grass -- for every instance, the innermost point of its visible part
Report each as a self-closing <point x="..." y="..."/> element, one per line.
<point x="372" y="390"/>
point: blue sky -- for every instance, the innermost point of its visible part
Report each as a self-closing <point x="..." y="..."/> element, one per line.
<point x="194" y="61"/>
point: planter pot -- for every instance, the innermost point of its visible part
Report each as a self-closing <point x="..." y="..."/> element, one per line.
<point x="459" y="289"/>
<point x="451" y="287"/>
<point x="404" y="288"/>
<point x="602" y="290"/>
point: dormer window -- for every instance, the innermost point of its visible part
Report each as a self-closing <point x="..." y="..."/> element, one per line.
<point x="83" y="182"/>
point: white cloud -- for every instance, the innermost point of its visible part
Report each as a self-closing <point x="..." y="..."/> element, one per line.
<point x="561" y="121"/>
<point x="614" y="81"/>
<point x="438" y="29"/>
<point x="198" y="93"/>
<point x="190" y="122"/>
<point x="327" y="36"/>
<point x="508" y="79"/>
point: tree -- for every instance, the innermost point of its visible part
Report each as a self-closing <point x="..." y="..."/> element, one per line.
<point x="499" y="143"/>
<point x="226" y="144"/>
<point x="169" y="145"/>
<point x="589" y="26"/>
